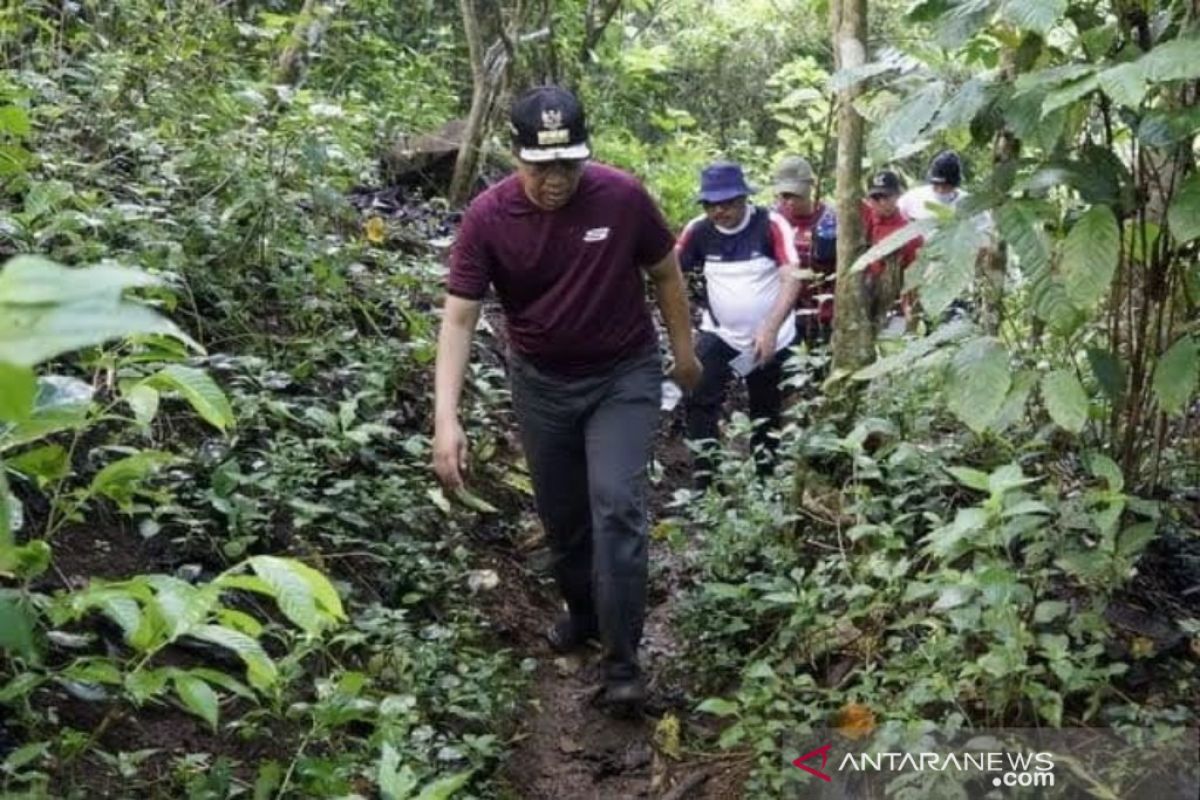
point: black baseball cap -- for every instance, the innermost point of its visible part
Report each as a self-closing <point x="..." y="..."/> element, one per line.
<point x="548" y="124"/>
<point x="946" y="167"/>
<point x="885" y="182"/>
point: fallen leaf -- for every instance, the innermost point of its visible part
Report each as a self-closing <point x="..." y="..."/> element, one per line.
<point x="1141" y="647"/>
<point x="569" y="745"/>
<point x="376" y="230"/>
<point x="482" y="580"/>
<point x="666" y="736"/>
<point x="855" y="721"/>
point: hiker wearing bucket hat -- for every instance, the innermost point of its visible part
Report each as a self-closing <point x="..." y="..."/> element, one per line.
<point x="746" y="256"/>
<point x="815" y="225"/>
<point x="565" y="245"/>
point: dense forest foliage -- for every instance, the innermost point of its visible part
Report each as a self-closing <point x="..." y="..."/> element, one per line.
<point x="226" y="569"/>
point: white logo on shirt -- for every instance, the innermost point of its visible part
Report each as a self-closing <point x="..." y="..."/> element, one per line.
<point x="596" y="235"/>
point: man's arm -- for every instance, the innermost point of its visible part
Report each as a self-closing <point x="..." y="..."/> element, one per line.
<point x="768" y="332"/>
<point x="454" y="350"/>
<point x="671" y="296"/>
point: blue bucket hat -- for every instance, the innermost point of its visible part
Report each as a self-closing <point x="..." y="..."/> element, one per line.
<point x="722" y="181"/>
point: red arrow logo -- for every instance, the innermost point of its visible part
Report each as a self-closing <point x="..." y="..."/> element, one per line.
<point x="823" y="752"/>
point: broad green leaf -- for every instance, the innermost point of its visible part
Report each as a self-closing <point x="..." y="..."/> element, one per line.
<point x="1007" y="477"/>
<point x="978" y="382"/>
<point x="143" y="401"/>
<point x="260" y="669"/>
<point x="396" y="782"/>
<point x="17" y="390"/>
<point x="971" y="478"/>
<point x="1023" y="228"/>
<point x="474" y="501"/>
<point x="444" y="788"/>
<point x="20" y="686"/>
<point x="36" y="281"/>
<point x="61" y="404"/>
<point x="1069" y="94"/>
<point x="1090" y="255"/>
<point x="198" y="697"/>
<point x="44" y="464"/>
<point x="962" y="21"/>
<point x="905" y="123"/>
<point x="146" y="684"/>
<point x="1134" y="539"/>
<point x="217" y="678"/>
<point x="14" y="121"/>
<point x="32" y="334"/>
<point x="1176" y="374"/>
<point x="121" y="480"/>
<point x="1125" y="84"/>
<point x="24" y="756"/>
<point x="718" y="707"/>
<point x="1110" y="373"/>
<point x="1173" y="61"/>
<point x="949" y="262"/>
<point x="182" y="606"/>
<point x="1065" y="400"/>
<point x="1017" y="402"/>
<point x="1034" y="15"/>
<point x="893" y="242"/>
<point x="1104" y="467"/>
<point x="1049" y="610"/>
<point x="291" y="592"/>
<point x="199" y="389"/>
<point x="323" y="592"/>
<point x="17" y="621"/>
<point x="1184" y="213"/>
<point x="966" y="103"/>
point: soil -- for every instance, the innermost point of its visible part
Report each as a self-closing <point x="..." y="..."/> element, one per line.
<point x="567" y="745"/>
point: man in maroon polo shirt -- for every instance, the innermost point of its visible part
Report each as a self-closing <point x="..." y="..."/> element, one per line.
<point x="565" y="244"/>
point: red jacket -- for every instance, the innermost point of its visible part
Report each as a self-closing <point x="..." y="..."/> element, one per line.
<point x="879" y="228"/>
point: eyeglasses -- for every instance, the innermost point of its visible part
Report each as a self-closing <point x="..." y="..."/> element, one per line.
<point x="732" y="202"/>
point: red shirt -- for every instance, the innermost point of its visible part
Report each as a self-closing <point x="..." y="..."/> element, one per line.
<point x="570" y="280"/>
<point x="805" y="228"/>
<point x="878" y="228"/>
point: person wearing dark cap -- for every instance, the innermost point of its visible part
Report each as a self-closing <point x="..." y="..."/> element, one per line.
<point x="943" y="187"/>
<point x="565" y="244"/>
<point x="881" y="218"/>
<point x="747" y="256"/>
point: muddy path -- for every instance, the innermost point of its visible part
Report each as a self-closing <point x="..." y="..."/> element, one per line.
<point x="565" y="747"/>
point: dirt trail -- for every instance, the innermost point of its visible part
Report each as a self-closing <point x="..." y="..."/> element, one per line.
<point x="567" y="748"/>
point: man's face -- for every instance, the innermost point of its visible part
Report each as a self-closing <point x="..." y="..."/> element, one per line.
<point x="884" y="203"/>
<point x="550" y="184"/>
<point x="944" y="191"/>
<point x="727" y="213"/>
<point x="797" y="204"/>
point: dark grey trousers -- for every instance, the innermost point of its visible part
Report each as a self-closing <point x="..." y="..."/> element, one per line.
<point x="588" y="443"/>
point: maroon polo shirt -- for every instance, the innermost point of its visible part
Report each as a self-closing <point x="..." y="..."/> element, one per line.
<point x="570" y="280"/>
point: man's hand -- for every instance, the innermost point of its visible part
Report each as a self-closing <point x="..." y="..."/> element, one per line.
<point x="764" y="344"/>
<point x="687" y="372"/>
<point x="450" y="454"/>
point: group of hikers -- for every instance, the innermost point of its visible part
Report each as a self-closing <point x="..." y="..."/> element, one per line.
<point x="567" y="245"/>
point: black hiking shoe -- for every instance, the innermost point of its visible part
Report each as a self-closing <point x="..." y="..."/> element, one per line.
<point x="569" y="634"/>
<point x="625" y="697"/>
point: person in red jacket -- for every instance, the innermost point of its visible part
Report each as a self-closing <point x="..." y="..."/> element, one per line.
<point x="882" y="217"/>
<point x="815" y="224"/>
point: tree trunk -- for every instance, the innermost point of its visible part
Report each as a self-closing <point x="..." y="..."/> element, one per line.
<point x="487" y="72"/>
<point x="853" y="334"/>
<point x="311" y="24"/>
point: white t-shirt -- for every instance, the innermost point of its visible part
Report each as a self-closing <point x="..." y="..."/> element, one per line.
<point x="916" y="204"/>
<point x="741" y="267"/>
